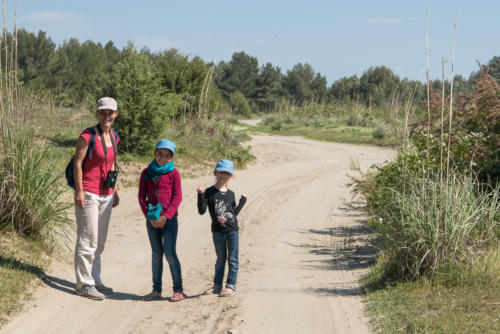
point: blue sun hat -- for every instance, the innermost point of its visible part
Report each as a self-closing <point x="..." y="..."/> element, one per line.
<point x="225" y="166"/>
<point x="165" y="143"/>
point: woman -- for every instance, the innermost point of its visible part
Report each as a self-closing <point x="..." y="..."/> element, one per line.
<point x="94" y="198"/>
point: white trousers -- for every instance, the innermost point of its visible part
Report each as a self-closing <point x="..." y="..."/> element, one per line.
<point x="92" y="229"/>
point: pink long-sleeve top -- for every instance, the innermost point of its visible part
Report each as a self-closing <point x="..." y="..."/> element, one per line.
<point x="169" y="191"/>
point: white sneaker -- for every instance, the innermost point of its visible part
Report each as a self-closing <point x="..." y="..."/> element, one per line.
<point x="90" y="292"/>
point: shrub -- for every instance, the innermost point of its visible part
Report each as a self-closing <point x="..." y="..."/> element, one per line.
<point x="241" y="156"/>
<point x="429" y="224"/>
<point x="475" y="129"/>
<point x="379" y="132"/>
<point x="276" y="126"/>
<point x="144" y="112"/>
<point x="30" y="188"/>
<point x="240" y="104"/>
<point x="270" y="120"/>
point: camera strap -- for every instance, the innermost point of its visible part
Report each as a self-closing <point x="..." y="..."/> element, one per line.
<point x="103" y="143"/>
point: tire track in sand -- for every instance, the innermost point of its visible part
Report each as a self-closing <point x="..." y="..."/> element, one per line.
<point x="301" y="253"/>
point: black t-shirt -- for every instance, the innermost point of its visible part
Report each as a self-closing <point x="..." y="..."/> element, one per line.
<point x="222" y="208"/>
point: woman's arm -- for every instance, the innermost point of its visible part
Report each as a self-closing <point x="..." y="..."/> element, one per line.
<point x="81" y="152"/>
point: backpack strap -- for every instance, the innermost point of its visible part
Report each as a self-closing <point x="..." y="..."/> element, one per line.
<point x="91" y="142"/>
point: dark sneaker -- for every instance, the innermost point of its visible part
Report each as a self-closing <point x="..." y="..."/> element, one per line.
<point x="90" y="292"/>
<point x="104" y="289"/>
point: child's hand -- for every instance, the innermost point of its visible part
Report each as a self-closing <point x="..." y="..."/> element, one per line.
<point x="200" y="190"/>
<point x="243" y="195"/>
<point x="162" y="221"/>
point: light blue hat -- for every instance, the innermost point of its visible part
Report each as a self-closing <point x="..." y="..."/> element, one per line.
<point x="225" y="166"/>
<point x="165" y="143"/>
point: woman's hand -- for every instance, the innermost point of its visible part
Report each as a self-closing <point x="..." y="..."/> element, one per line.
<point x="116" y="199"/>
<point x="200" y="190"/>
<point x="80" y="199"/>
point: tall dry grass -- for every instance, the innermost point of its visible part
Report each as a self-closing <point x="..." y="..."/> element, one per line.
<point x="433" y="215"/>
<point x="30" y="184"/>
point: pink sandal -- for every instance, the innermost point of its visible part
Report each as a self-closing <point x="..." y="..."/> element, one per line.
<point x="178" y="296"/>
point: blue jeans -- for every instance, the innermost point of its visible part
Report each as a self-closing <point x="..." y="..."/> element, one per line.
<point x="226" y="248"/>
<point x="163" y="241"/>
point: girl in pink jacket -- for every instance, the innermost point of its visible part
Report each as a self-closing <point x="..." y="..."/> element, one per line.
<point x="160" y="195"/>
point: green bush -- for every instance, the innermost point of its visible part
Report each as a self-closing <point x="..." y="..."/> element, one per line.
<point x="475" y="130"/>
<point x="240" y="104"/>
<point x="270" y="120"/>
<point x="239" y="155"/>
<point x="143" y="112"/>
<point x="30" y="188"/>
<point x="429" y="223"/>
<point x="379" y="132"/>
<point x="276" y="126"/>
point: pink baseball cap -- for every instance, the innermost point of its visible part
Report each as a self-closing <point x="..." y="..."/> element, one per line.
<point x="107" y="103"/>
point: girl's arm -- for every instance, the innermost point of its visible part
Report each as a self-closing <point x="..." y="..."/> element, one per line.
<point x="241" y="204"/>
<point x="143" y="194"/>
<point x="176" y="196"/>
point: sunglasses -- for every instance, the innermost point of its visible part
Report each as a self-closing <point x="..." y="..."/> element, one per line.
<point x="106" y="113"/>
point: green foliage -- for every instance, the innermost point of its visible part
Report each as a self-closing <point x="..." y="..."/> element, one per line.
<point x="346" y="88"/>
<point x="430" y="224"/>
<point x="30" y="192"/>
<point x="77" y="70"/>
<point x="429" y="216"/>
<point x="34" y="57"/>
<point x="21" y="261"/>
<point x="240" y="74"/>
<point x="178" y="74"/>
<point x="363" y="120"/>
<point x="240" y="104"/>
<point x="268" y="88"/>
<point x="269" y="120"/>
<point x="475" y="130"/>
<point x="239" y="155"/>
<point x="304" y="85"/>
<point x="492" y="68"/>
<point x="379" y="133"/>
<point x="276" y="126"/>
<point x="459" y="300"/>
<point x="378" y="85"/>
<point x="143" y="113"/>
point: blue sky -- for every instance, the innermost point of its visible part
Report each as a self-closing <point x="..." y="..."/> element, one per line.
<point x="338" y="38"/>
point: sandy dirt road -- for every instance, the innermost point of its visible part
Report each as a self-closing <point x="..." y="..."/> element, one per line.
<point x="302" y="250"/>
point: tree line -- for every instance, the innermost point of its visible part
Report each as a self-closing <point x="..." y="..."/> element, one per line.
<point x="75" y="71"/>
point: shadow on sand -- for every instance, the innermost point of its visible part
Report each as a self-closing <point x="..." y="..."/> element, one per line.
<point x="351" y="247"/>
<point x="58" y="283"/>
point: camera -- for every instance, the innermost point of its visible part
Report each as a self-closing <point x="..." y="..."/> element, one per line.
<point x="111" y="179"/>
